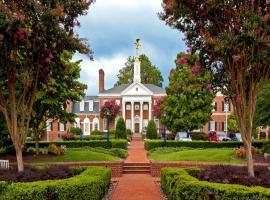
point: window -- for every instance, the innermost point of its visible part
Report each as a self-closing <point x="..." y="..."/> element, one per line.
<point x="137" y="107"/>
<point x="128" y="107"/>
<point x="96" y="124"/>
<point x="61" y="127"/>
<point x="77" y="123"/>
<point x="86" y="122"/>
<point x="49" y="126"/>
<point x="214" y="104"/>
<point x="128" y="124"/>
<point x="212" y="126"/>
<point x="82" y="106"/>
<point x="157" y="124"/>
<point x="91" y="105"/>
<point x="105" y="124"/>
<point x="224" y="126"/>
<point x="145" y="106"/>
<point x="145" y="123"/>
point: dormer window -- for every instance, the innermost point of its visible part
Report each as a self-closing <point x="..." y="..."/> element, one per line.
<point x="91" y="105"/>
<point x="137" y="89"/>
<point x="82" y="106"/>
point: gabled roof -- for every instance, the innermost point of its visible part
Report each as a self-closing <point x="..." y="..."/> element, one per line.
<point x="116" y="90"/>
<point x="86" y="99"/>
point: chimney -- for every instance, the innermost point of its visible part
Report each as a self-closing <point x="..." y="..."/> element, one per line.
<point x="101" y="80"/>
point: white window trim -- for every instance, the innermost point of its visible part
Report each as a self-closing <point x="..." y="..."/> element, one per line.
<point x="82" y="106"/>
<point x="91" y="105"/>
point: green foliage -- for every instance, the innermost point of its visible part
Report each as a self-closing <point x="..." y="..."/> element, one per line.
<point x="150" y="74"/>
<point x="151" y="130"/>
<point x="265" y="148"/>
<point x="120" y="131"/>
<point x="114" y="143"/>
<point x="232" y="123"/>
<point x="75" y="130"/>
<point x="178" y="184"/>
<point x="91" y="183"/>
<point x="188" y="104"/>
<point x="262" y="113"/>
<point x="96" y="132"/>
<point x="151" y="144"/>
<point x="128" y="131"/>
<point x="198" y="136"/>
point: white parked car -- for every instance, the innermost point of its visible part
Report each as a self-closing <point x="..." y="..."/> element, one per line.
<point x="222" y="136"/>
<point x="183" y="136"/>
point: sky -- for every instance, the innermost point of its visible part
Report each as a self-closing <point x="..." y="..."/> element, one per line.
<point x="111" y="27"/>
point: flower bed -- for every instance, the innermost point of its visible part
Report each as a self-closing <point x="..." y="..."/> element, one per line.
<point x="177" y="184"/>
<point x="150" y="144"/>
<point x="90" y="183"/>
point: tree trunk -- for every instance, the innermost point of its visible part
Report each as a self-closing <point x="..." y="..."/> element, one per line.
<point x="249" y="158"/>
<point x="19" y="158"/>
<point x="37" y="144"/>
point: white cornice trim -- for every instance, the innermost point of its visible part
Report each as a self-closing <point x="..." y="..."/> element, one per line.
<point x="141" y="85"/>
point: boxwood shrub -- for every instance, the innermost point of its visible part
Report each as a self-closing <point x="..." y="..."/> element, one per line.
<point x="177" y="184"/>
<point x="91" y="183"/>
<point x="90" y="143"/>
<point x="150" y="144"/>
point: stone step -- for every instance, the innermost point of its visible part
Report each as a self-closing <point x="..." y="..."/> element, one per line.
<point x="136" y="164"/>
<point x="136" y="168"/>
<point x="138" y="171"/>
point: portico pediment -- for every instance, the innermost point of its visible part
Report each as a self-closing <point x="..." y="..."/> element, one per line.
<point x="137" y="89"/>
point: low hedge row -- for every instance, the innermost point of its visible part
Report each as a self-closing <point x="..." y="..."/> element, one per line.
<point x="150" y="144"/>
<point x="122" y="144"/>
<point x="177" y="184"/>
<point x="92" y="183"/>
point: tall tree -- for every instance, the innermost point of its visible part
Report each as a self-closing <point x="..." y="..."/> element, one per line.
<point x="150" y="74"/>
<point x="232" y="123"/>
<point x="233" y="40"/>
<point x="52" y="101"/>
<point x="33" y="35"/>
<point x="188" y="104"/>
<point x="262" y="113"/>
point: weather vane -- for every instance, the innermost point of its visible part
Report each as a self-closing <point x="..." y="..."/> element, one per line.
<point x="138" y="46"/>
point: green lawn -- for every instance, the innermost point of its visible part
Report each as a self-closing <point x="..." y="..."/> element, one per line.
<point x="73" y="155"/>
<point x="221" y="155"/>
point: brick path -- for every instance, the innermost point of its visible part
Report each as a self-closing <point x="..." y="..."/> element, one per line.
<point x="136" y="186"/>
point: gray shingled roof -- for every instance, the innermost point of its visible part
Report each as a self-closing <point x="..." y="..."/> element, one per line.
<point x="118" y="89"/>
<point x="76" y="106"/>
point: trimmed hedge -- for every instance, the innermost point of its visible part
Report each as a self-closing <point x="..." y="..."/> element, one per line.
<point x="122" y="144"/>
<point x="177" y="184"/>
<point x="150" y="144"/>
<point x="91" y="183"/>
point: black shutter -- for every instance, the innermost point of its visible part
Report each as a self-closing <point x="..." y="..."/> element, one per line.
<point x="58" y="126"/>
<point x="208" y="126"/>
<point x="222" y="123"/>
<point x="222" y="106"/>
<point x="229" y="107"/>
<point x="215" y="126"/>
<point x="215" y="106"/>
<point x="51" y="124"/>
<point x="65" y="127"/>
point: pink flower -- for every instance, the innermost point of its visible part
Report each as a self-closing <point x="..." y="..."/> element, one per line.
<point x="77" y="23"/>
<point x="20" y="35"/>
<point x="235" y="58"/>
<point x="181" y="60"/>
<point x="195" y="70"/>
<point x="49" y="58"/>
<point x="1" y="37"/>
<point x="209" y="86"/>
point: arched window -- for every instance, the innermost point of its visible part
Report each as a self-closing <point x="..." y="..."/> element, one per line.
<point x="77" y="123"/>
<point x="96" y="124"/>
<point x="86" y="123"/>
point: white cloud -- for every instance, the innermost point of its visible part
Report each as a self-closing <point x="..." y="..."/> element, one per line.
<point x="110" y="65"/>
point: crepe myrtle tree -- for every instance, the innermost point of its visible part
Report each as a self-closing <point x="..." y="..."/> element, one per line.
<point x="33" y="35"/>
<point x="109" y="111"/>
<point x="233" y="38"/>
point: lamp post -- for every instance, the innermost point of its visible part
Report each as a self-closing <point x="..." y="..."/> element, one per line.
<point x="226" y="109"/>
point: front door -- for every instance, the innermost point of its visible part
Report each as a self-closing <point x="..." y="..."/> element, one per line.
<point x="137" y="127"/>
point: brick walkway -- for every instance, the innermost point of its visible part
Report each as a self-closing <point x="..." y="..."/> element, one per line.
<point x="136" y="186"/>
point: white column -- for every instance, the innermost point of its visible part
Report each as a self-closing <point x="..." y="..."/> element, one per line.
<point x="124" y="110"/>
<point x="150" y="110"/>
<point x="141" y="116"/>
<point x="132" y="116"/>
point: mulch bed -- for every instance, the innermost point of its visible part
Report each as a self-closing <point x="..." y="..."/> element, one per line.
<point x="236" y="175"/>
<point x="37" y="173"/>
<point x="27" y="156"/>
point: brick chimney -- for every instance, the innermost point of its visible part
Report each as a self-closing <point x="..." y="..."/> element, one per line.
<point x="101" y="80"/>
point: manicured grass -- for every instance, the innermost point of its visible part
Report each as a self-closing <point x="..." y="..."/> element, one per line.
<point x="222" y="155"/>
<point x="73" y="155"/>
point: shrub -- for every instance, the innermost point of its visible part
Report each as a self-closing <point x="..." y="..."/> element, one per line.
<point x="198" y="136"/>
<point x="96" y="132"/>
<point x="113" y="143"/>
<point x="75" y="130"/>
<point x="241" y="152"/>
<point x="151" y="130"/>
<point x="266" y="148"/>
<point x="68" y="136"/>
<point x="90" y="183"/>
<point x="121" y="153"/>
<point x="120" y="131"/>
<point x="56" y="150"/>
<point x="176" y="183"/>
<point x="150" y="144"/>
<point x="128" y="132"/>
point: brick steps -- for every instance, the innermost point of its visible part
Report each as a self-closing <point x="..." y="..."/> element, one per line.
<point x="136" y="168"/>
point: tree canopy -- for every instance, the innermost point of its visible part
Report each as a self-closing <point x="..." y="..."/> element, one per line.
<point x="188" y="104"/>
<point x="150" y="74"/>
<point x="33" y="35"/>
<point x="232" y="38"/>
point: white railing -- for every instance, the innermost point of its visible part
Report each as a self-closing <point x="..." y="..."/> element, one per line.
<point x="4" y="164"/>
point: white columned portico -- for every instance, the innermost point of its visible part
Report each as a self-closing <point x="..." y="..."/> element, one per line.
<point x="150" y="110"/>
<point x="141" y="115"/>
<point x="132" y="116"/>
<point x="124" y="110"/>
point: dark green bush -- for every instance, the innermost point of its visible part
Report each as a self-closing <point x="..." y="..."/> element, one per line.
<point x="150" y="144"/>
<point x="75" y="131"/>
<point x="266" y="148"/>
<point x="177" y="184"/>
<point x="151" y="130"/>
<point x="91" y="183"/>
<point x="198" y="136"/>
<point x="96" y="132"/>
<point x="121" y="153"/>
<point x="120" y="132"/>
<point x="128" y="131"/>
<point x="122" y="144"/>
